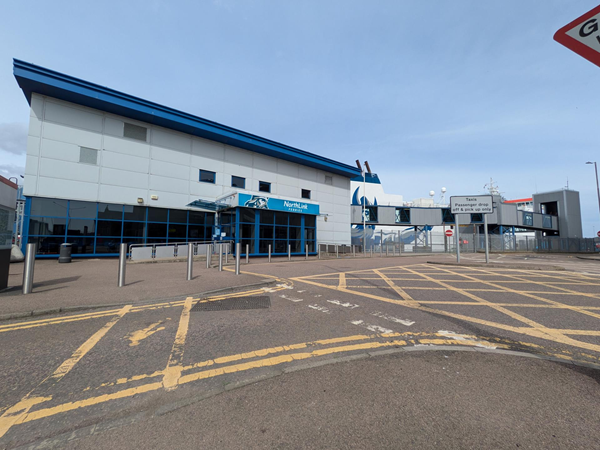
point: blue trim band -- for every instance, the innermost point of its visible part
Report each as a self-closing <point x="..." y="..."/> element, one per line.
<point x="32" y="78"/>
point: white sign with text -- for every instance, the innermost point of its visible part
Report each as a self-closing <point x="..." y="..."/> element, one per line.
<point x="471" y="204"/>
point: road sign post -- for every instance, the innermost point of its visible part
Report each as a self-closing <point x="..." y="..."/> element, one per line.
<point x="583" y="36"/>
<point x="471" y="204"/>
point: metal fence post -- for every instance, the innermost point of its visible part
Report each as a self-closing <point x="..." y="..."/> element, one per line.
<point x="208" y="255"/>
<point x="122" y="263"/>
<point x="220" y="257"/>
<point x="190" y="262"/>
<point x="238" y="249"/>
<point x="269" y="252"/>
<point x="247" y="253"/>
<point x="28" y="269"/>
<point x="380" y="250"/>
<point x="289" y="252"/>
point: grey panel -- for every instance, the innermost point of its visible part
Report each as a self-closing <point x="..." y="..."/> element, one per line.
<point x="201" y="249"/>
<point x="141" y="253"/>
<point x="165" y="251"/>
<point x="426" y="216"/>
<point x="132" y="131"/>
<point x="387" y="214"/>
<point x="182" y="251"/>
<point x="88" y="155"/>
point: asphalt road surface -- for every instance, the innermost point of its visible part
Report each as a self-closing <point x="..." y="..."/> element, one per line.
<point x="428" y="356"/>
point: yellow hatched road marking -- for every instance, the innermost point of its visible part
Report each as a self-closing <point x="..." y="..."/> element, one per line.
<point x="175" y="364"/>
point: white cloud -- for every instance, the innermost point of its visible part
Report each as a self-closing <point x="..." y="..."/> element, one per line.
<point x="13" y="138"/>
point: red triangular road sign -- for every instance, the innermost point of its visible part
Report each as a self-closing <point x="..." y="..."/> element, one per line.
<point x="583" y="36"/>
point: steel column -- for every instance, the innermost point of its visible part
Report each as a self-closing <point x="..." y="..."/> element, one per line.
<point x="28" y="268"/>
<point x="238" y="249"/>
<point x="190" y="262"/>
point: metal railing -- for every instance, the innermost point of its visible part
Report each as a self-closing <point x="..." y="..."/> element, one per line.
<point x="176" y="250"/>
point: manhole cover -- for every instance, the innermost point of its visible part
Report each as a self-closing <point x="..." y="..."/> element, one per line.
<point x="234" y="303"/>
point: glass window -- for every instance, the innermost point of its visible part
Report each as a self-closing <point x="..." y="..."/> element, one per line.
<point x="81" y="245"/>
<point x="402" y="215"/>
<point x="130" y="241"/>
<point x="197" y="217"/>
<point x="280" y="247"/>
<point x="210" y="218"/>
<point x="247" y="231"/>
<point x="528" y="219"/>
<point x="47" y="245"/>
<point x="295" y="220"/>
<point x="309" y="234"/>
<point x="266" y="231"/>
<point x="263" y="246"/>
<point x="306" y="193"/>
<point x="206" y="176"/>
<point x="295" y="232"/>
<point x="132" y="131"/>
<point x="547" y="221"/>
<point x="177" y="232"/>
<point x="281" y="218"/>
<point x="178" y="216"/>
<point x="109" y="228"/>
<point x="157" y="214"/>
<point x="135" y="213"/>
<point x="47" y="226"/>
<point x="309" y="221"/>
<point x="447" y="216"/>
<point x="134" y="229"/>
<point x="157" y="230"/>
<point x="83" y="210"/>
<point x="247" y="215"/>
<point x="370" y="214"/>
<point x="296" y="246"/>
<point x="81" y="227"/>
<point x="267" y="217"/>
<point x="48" y="207"/>
<point x="227" y="218"/>
<point x="107" y="245"/>
<point x="108" y="211"/>
<point x="196" y="232"/>
<point x="281" y="232"/>
<point x="238" y="182"/>
<point x="263" y="186"/>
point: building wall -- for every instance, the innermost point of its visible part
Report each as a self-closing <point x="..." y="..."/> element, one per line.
<point x="166" y="165"/>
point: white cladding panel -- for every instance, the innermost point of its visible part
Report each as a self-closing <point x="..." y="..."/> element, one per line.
<point x="166" y="165"/>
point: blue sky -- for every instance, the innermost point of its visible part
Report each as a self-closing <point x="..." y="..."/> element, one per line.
<point x="431" y="93"/>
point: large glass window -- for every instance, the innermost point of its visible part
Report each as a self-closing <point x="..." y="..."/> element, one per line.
<point x="82" y="210"/>
<point x="47" y="226"/>
<point x="178" y="216"/>
<point x="135" y="213"/>
<point x="528" y="219"/>
<point x="447" y="216"/>
<point x="49" y="207"/>
<point x="108" y="211"/>
<point x="109" y="228"/>
<point x="158" y="214"/>
<point x="402" y="215"/>
<point x="81" y="227"/>
<point x="370" y="214"/>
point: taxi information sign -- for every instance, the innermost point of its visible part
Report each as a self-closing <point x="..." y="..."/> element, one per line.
<point x="471" y="204"/>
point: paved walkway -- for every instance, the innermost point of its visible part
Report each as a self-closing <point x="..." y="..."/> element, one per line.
<point x="91" y="282"/>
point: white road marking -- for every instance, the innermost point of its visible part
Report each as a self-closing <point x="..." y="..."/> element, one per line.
<point x="319" y="308"/>
<point x="300" y="292"/>
<point x="290" y="298"/>
<point x="318" y="295"/>
<point x="408" y="323"/>
<point x="344" y="304"/>
<point x="370" y="327"/>
<point x="285" y="286"/>
<point x="267" y="289"/>
<point x="462" y="337"/>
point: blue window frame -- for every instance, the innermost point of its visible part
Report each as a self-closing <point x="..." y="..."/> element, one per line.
<point x="547" y="221"/>
<point x="370" y="213"/>
<point x="447" y="216"/>
<point x="206" y="176"/>
<point x="476" y="218"/>
<point x="402" y="215"/>
<point x="99" y="228"/>
<point x="528" y="219"/>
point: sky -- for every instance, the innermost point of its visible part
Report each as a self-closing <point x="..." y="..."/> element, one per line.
<point x="431" y="93"/>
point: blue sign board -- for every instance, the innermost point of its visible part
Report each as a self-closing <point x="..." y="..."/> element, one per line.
<point x="277" y="204"/>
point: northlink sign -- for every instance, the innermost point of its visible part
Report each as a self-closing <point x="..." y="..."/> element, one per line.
<point x="481" y="204"/>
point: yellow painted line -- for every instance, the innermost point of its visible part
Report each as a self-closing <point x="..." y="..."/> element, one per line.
<point x="137" y="336"/>
<point x="175" y="364"/>
<point x="403" y="295"/>
<point x="519" y="330"/>
<point x="342" y="282"/>
<point x="552" y="302"/>
<point x="16" y="413"/>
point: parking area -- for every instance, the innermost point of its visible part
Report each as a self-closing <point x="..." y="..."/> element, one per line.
<point x="69" y="372"/>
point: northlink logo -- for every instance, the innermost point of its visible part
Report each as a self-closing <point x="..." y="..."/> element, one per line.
<point x="295" y="205"/>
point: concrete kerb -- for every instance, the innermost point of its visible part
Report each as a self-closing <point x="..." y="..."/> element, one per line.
<point x="167" y="408"/>
<point x="498" y="266"/>
<point x="201" y="295"/>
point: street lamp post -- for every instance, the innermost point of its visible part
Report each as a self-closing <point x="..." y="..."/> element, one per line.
<point x="597" y="185"/>
<point x="364" y="202"/>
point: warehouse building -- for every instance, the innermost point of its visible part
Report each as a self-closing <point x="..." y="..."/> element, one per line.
<point x="104" y="167"/>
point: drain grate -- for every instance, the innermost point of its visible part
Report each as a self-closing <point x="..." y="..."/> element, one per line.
<point x="234" y="303"/>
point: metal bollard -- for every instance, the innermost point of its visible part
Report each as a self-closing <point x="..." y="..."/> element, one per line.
<point x="337" y="254"/>
<point x="208" y="255"/>
<point x="269" y="252"/>
<point x="387" y="250"/>
<point x="371" y="252"/>
<point x="122" y="263"/>
<point x="247" y="253"/>
<point x="319" y="251"/>
<point x="226" y="252"/>
<point x="238" y="249"/>
<point x="220" y="257"/>
<point x="28" y="268"/>
<point x="306" y="257"/>
<point x="354" y="251"/>
<point x="289" y="252"/>
<point x="190" y="262"/>
<point x="380" y="251"/>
